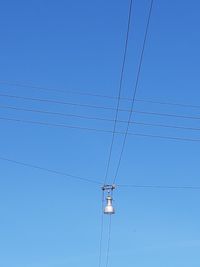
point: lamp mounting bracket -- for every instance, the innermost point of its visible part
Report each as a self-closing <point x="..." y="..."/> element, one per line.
<point x="108" y="187"/>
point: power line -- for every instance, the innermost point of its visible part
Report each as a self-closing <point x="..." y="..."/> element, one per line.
<point x="166" y="115"/>
<point x="50" y="170"/>
<point x="135" y="88"/>
<point x="100" y="107"/>
<point x="46" y="112"/>
<point x="174" y="138"/>
<point x="166" y="126"/>
<point x="168" y="103"/>
<point x="120" y="90"/>
<point x="58" y="102"/>
<point x="42" y="123"/>
<point x="20" y="84"/>
<point x="159" y="186"/>
<point x="95" y="182"/>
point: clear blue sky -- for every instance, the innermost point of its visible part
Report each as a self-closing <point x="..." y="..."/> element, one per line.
<point x="47" y="220"/>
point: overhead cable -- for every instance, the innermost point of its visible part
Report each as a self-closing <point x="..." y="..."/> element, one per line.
<point x="44" y="88"/>
<point x="41" y="123"/>
<point x="99" y="107"/>
<point x="97" y="183"/>
<point x="23" y="85"/>
<point x="47" y="112"/>
<point x="50" y="170"/>
<point x="166" y="115"/>
<point x="158" y="186"/>
<point x="135" y="88"/>
<point x="56" y="102"/>
<point x="119" y="90"/>
<point x="169" y="103"/>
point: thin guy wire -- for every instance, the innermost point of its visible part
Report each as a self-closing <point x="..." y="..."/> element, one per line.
<point x="99" y="130"/>
<point x="101" y="232"/>
<point x="120" y="90"/>
<point x="119" y="185"/>
<point x="159" y="186"/>
<point x="109" y="235"/>
<point x="50" y="170"/>
<point x="135" y="89"/>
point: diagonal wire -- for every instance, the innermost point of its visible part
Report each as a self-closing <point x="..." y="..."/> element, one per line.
<point x="135" y="87"/>
<point x="120" y="89"/>
<point x="188" y="187"/>
<point x="50" y="170"/>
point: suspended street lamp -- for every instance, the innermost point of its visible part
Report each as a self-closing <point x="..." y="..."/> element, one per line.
<point x="109" y="207"/>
